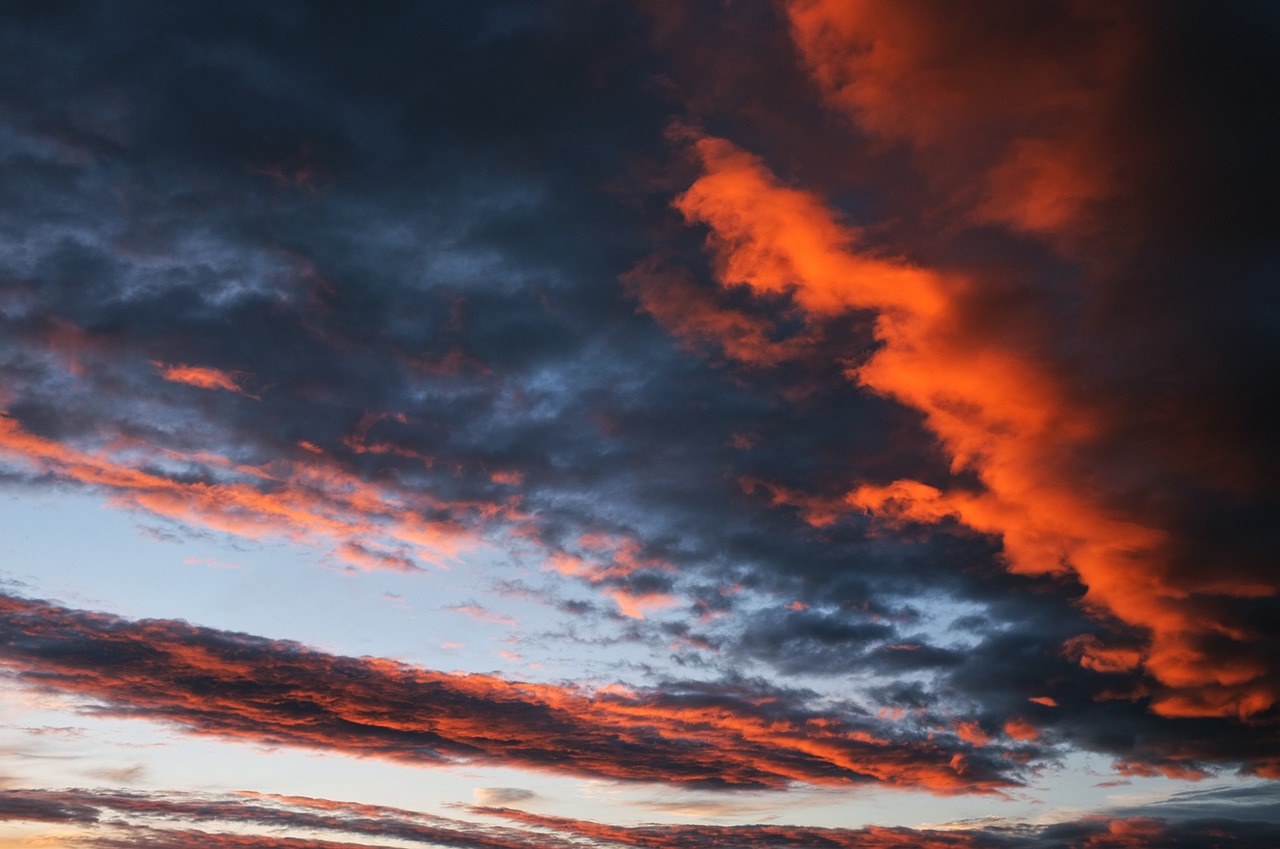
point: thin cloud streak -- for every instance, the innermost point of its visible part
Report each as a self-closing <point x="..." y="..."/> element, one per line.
<point x="157" y="819"/>
<point x="1091" y="833"/>
<point x="309" y="500"/>
<point x="136" y="819"/>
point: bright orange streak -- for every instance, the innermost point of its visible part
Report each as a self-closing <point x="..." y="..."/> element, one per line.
<point x="995" y="411"/>
<point x="201" y="376"/>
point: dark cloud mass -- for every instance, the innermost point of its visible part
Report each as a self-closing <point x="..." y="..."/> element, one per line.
<point x="874" y="359"/>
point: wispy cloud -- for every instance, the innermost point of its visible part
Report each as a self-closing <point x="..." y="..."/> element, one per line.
<point x="156" y="819"/>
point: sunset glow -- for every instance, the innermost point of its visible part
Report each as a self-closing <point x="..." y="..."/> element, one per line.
<point x="820" y="424"/>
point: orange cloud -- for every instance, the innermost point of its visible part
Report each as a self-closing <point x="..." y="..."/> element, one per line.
<point x="636" y="605"/>
<point x="241" y="687"/>
<point x="971" y="732"/>
<point x="160" y="820"/>
<point x="358" y="441"/>
<point x="1135" y="833"/>
<point x="695" y="318"/>
<point x="995" y="409"/>
<point x="201" y="376"/>
<point x="605" y="561"/>
<point x="1004" y="109"/>
<point x="309" y="499"/>
<point x="724" y="837"/>
<point x="1020" y="728"/>
<point x="482" y="614"/>
<point x="1092" y="653"/>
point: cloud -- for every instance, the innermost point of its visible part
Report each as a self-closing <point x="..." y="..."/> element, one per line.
<point x="693" y="316"/>
<point x="1006" y="98"/>
<point x="120" y="775"/>
<point x="482" y="614"/>
<point x="19" y="806"/>
<point x="200" y="376"/>
<point x="1092" y="833"/>
<point x="204" y="681"/>
<point x="307" y="500"/>
<point x="146" y="820"/>
<point x="165" y="819"/>
<point x="987" y="319"/>
<point x="172" y="838"/>
<point x="500" y="796"/>
<point x="999" y="415"/>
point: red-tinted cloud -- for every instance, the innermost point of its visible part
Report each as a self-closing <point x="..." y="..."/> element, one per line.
<point x="154" y="820"/>
<point x="1092" y="833"/>
<point x="610" y="563"/>
<point x="123" y="819"/>
<point x="724" y="837"/>
<point x="309" y="499"/>
<point x="1002" y="109"/>
<point x="204" y="377"/>
<point x="697" y="320"/>
<point x="136" y="837"/>
<point x="998" y="411"/>
<point x="275" y="693"/>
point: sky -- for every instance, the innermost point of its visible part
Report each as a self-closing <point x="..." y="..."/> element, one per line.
<point x="821" y="424"/>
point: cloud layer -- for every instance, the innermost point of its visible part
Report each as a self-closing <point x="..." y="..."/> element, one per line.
<point x="160" y="820"/>
<point x="894" y="378"/>
<point x="241" y="687"/>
